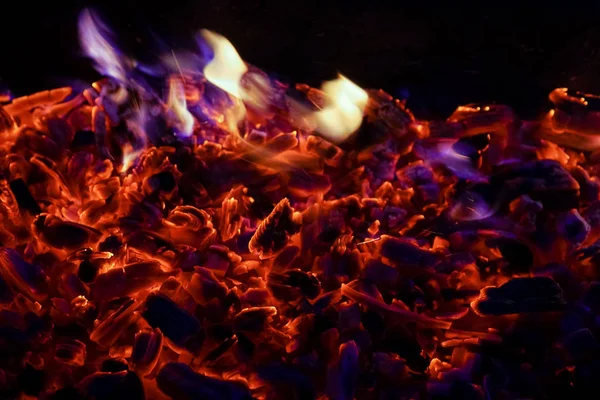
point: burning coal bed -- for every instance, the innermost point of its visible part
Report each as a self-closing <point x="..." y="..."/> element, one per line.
<point x="223" y="235"/>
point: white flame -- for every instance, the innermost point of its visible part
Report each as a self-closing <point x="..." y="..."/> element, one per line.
<point x="94" y="38"/>
<point x="345" y="103"/>
<point x="129" y="157"/>
<point x="184" y="121"/>
<point x="226" y="68"/>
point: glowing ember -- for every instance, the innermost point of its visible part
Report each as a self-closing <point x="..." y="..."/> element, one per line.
<point x="225" y="235"/>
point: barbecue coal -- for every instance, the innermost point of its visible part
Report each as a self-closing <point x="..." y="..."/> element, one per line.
<point x="211" y="232"/>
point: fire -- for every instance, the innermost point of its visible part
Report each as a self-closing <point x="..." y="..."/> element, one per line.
<point x="342" y="114"/>
<point x="184" y="121"/>
<point x="206" y="236"/>
<point x="129" y="157"/>
<point x="94" y="38"/>
<point x="226" y="68"/>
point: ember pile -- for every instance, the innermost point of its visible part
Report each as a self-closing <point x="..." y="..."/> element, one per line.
<point x="231" y="236"/>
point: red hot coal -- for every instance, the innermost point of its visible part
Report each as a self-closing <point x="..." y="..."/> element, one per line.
<point x="227" y="235"/>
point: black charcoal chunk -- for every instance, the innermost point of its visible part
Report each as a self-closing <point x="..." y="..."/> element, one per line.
<point x="289" y="379"/>
<point x="581" y="346"/>
<point x="546" y="181"/>
<point x="87" y="271"/>
<point x="83" y="139"/>
<point x="591" y="298"/>
<point x="520" y="295"/>
<point x="111" y="244"/>
<point x="405" y="252"/>
<point x="517" y="254"/>
<point x="114" y="365"/>
<point x="293" y="284"/>
<point x="163" y="181"/>
<point x="181" y="327"/>
<point x="180" y="382"/>
<point x="24" y="197"/>
<point x="32" y="380"/>
<point x="112" y="386"/>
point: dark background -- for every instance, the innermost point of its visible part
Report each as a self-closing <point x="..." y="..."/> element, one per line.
<point x="444" y="55"/>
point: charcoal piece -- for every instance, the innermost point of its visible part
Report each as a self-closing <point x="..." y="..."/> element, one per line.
<point x="292" y="284"/>
<point x="149" y="241"/>
<point x="288" y="379"/>
<point x="111" y="244"/>
<point x="66" y="393"/>
<point x="121" y="385"/>
<point x="253" y="320"/>
<point x="32" y="380"/>
<point x="114" y="365"/>
<point x="163" y="182"/>
<point x="87" y="271"/>
<point x="25" y="277"/>
<point x="24" y="198"/>
<point x="464" y="390"/>
<point x="589" y="189"/>
<point x="6" y="293"/>
<point x="108" y="331"/>
<point x="275" y="230"/>
<point x="520" y="295"/>
<point x="179" y="381"/>
<point x="304" y="184"/>
<point x="389" y="366"/>
<point x="323" y="302"/>
<point x="285" y="258"/>
<point x="330" y="152"/>
<point x="565" y="277"/>
<point x="349" y="317"/>
<point x="127" y="280"/>
<point x="83" y="139"/>
<point x="188" y="258"/>
<point x="383" y="275"/>
<point x="373" y="322"/>
<point x="517" y="254"/>
<point x="581" y="346"/>
<point x="585" y="378"/>
<point x="546" y="181"/>
<point x="472" y="144"/>
<point x="591" y="297"/>
<point x="179" y="326"/>
<point x="342" y="376"/>
<point x="404" y="252"/>
<point x="393" y="312"/>
<point x="204" y="286"/>
<point x="218" y="260"/>
<point x="36" y="142"/>
<point x="72" y="352"/>
<point x="426" y="194"/>
<point x="6" y="121"/>
<point x="64" y="235"/>
<point x="415" y="174"/>
<point x="591" y="252"/>
<point x="572" y="226"/>
<point x="221" y="349"/>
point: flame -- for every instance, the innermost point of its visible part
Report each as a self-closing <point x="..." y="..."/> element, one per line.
<point x="343" y="111"/>
<point x="226" y="68"/>
<point x="94" y="38"/>
<point x="184" y="121"/>
<point x="129" y="157"/>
